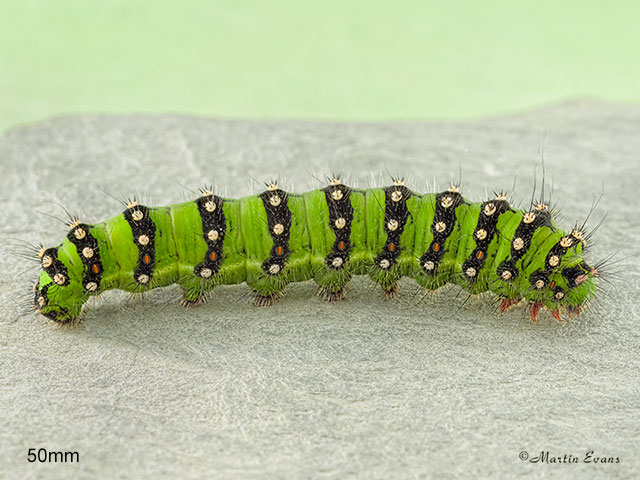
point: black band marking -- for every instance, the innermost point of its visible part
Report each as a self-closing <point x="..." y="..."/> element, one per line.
<point x="54" y="267"/>
<point x="89" y="252"/>
<point x="214" y="228"/>
<point x="525" y="232"/>
<point x="396" y="214"/>
<point x="41" y="294"/>
<point x="279" y="222"/>
<point x="444" y="220"/>
<point x="144" y="235"/>
<point x="338" y="199"/>
<point x="555" y="255"/>
<point x="484" y="233"/>
<point x="521" y="241"/>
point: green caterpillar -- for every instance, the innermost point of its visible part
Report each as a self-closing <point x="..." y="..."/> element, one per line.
<point x="329" y="235"/>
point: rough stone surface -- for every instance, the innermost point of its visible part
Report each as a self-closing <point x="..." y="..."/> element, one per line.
<point x="365" y="388"/>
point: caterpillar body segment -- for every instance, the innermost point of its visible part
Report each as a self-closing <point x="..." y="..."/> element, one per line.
<point x="328" y="235"/>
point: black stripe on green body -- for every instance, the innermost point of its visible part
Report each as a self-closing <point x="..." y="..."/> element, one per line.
<point x="279" y="223"/>
<point x="329" y="235"/>
<point x="386" y="267"/>
<point x="335" y="219"/>
<point x="277" y="246"/>
<point x="143" y="231"/>
<point x="53" y="267"/>
<point x="521" y="241"/>
<point x="515" y="270"/>
<point x="338" y="198"/>
<point x="214" y="228"/>
<point x="437" y="262"/>
<point x="395" y="218"/>
<point x="88" y="251"/>
<point x="215" y="244"/>
<point x="485" y="237"/>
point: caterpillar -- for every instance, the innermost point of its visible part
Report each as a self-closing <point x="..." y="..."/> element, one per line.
<point x="328" y="235"/>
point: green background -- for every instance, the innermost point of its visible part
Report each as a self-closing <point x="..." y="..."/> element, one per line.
<point x="321" y="59"/>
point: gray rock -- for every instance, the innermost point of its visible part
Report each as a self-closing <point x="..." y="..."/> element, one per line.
<point x="410" y="388"/>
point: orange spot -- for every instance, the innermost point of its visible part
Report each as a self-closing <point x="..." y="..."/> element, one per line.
<point x="146" y="259"/>
<point x="553" y="284"/>
<point x="392" y="247"/>
<point x="436" y="247"/>
<point x="94" y="268"/>
<point x="479" y="255"/>
<point x="279" y="250"/>
<point x="213" y="256"/>
<point x="556" y="315"/>
<point x="340" y="245"/>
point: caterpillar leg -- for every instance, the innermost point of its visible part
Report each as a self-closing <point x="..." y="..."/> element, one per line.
<point x="391" y="291"/>
<point x="332" y="282"/>
<point x="507" y="303"/>
<point x="534" y="310"/>
<point x="195" y="292"/>
<point x="267" y="289"/>
<point x="193" y="302"/>
<point x="260" y="300"/>
<point x="536" y="307"/>
<point x="332" y="295"/>
<point x="388" y="281"/>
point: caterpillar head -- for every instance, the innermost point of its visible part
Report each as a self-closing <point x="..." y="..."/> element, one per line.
<point x="576" y="285"/>
<point x="568" y="289"/>
<point x="57" y="296"/>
